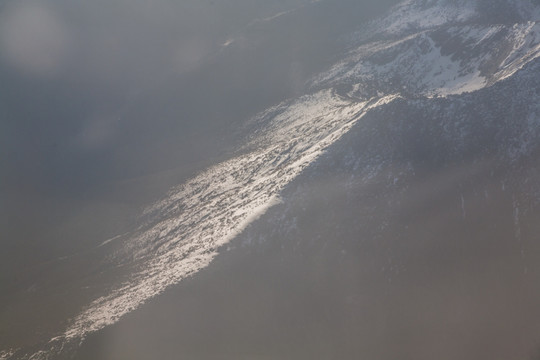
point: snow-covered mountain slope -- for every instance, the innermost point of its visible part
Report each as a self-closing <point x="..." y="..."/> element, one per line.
<point x="183" y="232"/>
<point x="433" y="85"/>
<point x="445" y="61"/>
<point x="411" y="16"/>
<point x="422" y="220"/>
<point x="436" y="50"/>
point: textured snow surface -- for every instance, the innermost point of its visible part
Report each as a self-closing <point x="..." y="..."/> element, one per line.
<point x="452" y="60"/>
<point x="184" y="231"/>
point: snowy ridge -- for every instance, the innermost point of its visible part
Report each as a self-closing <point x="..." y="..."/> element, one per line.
<point x="414" y="15"/>
<point x="187" y="228"/>
<point x="451" y="60"/>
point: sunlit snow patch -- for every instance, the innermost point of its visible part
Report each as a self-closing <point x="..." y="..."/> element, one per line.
<point x="183" y="232"/>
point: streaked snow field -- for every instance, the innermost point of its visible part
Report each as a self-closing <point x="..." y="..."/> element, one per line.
<point x="183" y="232"/>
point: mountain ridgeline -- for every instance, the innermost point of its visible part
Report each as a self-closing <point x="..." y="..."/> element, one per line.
<point x="387" y="208"/>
